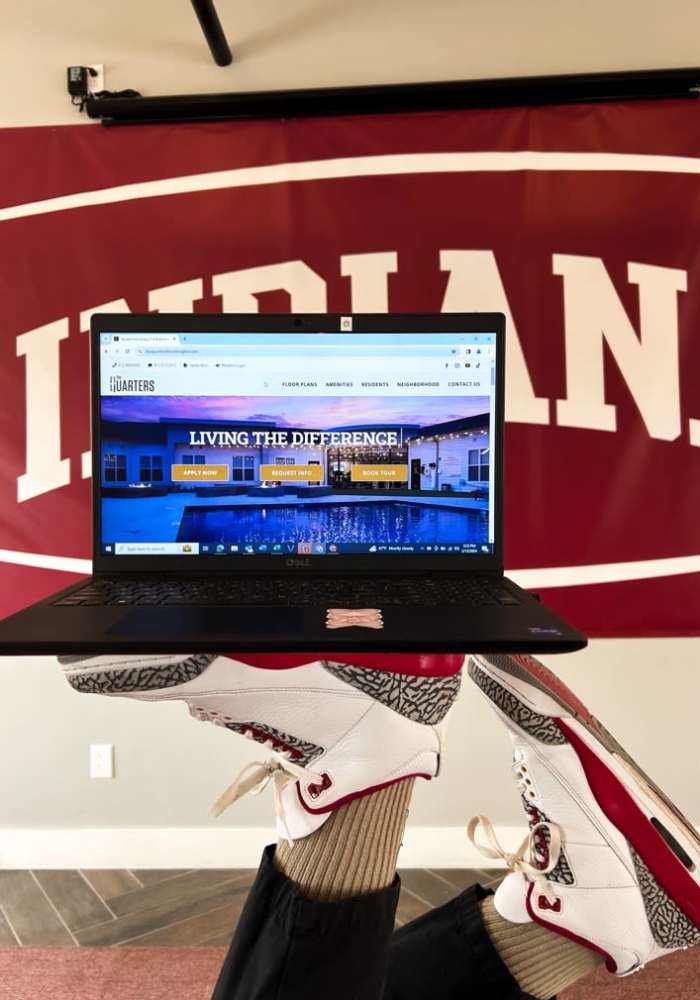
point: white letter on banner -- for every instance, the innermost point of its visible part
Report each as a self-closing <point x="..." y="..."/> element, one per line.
<point x="179" y="298"/>
<point x="649" y="364"/>
<point x="307" y="289"/>
<point x="475" y="285"/>
<point x="368" y="273"/>
<point x="46" y="470"/>
<point x="115" y="306"/>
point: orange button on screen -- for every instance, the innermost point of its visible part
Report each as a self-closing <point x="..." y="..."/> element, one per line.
<point x="289" y="473"/>
<point x="199" y="473"/>
<point x="379" y="473"/>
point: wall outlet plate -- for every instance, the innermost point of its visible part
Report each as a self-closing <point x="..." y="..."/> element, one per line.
<point x="101" y="760"/>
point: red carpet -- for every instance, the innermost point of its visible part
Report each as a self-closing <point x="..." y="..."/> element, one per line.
<point x="190" y="974"/>
<point x="676" y="977"/>
<point x="109" y="973"/>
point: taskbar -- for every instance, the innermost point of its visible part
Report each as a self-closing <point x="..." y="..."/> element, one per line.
<point x="290" y="548"/>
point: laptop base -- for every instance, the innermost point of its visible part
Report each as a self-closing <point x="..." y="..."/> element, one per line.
<point x="50" y="629"/>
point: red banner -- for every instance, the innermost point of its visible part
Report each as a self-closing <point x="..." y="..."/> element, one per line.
<point x="580" y="223"/>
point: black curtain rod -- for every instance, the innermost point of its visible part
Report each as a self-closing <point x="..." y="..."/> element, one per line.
<point x="213" y="32"/>
<point x="402" y="97"/>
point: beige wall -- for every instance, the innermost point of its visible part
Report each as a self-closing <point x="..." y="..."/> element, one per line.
<point x="169" y="768"/>
<point x="156" y="47"/>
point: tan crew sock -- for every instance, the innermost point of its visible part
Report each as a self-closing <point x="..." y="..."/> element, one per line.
<point x="542" y="962"/>
<point x="355" y="850"/>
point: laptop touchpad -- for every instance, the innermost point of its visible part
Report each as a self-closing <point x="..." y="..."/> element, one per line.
<point x="190" y="622"/>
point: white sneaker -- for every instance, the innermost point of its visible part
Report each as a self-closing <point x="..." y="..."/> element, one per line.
<point x="610" y="862"/>
<point x="336" y="731"/>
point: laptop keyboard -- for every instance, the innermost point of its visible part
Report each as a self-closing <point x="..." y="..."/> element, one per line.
<point x="338" y="592"/>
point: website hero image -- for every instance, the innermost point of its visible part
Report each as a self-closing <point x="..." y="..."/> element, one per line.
<point x="296" y="444"/>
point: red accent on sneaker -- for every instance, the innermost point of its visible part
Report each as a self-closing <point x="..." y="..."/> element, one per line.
<point x="356" y="795"/>
<point x="544" y="904"/>
<point x="261" y="736"/>
<point x="610" y="963"/>
<point x="555" y="684"/>
<point x="624" y="813"/>
<point x="315" y="790"/>
<point x="425" y="665"/>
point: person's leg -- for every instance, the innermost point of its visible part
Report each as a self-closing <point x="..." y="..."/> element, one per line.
<point x="609" y="872"/>
<point x="465" y="950"/>
<point x="319" y="918"/>
<point x="542" y="963"/>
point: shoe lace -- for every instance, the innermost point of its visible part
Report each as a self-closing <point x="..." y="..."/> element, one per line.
<point x="254" y="778"/>
<point x="524" y="860"/>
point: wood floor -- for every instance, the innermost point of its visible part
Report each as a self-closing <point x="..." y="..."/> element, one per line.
<point x="171" y="908"/>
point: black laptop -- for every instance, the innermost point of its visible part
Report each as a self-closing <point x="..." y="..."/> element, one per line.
<point x="283" y="483"/>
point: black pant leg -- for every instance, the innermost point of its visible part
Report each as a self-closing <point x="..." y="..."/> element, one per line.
<point x="287" y="947"/>
<point x="447" y="954"/>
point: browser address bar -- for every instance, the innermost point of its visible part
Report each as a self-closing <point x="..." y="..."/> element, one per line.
<point x="299" y="350"/>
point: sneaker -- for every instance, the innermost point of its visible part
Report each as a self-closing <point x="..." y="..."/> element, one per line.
<point x="609" y="862"/>
<point x="336" y="731"/>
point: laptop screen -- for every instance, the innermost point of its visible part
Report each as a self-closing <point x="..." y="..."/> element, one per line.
<point x="318" y="444"/>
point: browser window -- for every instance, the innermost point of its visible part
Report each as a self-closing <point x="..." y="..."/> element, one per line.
<point x="296" y="443"/>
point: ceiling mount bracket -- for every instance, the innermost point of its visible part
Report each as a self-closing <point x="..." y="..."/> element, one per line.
<point x="213" y="32"/>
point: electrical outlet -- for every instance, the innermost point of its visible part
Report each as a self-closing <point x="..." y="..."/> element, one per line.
<point x="101" y="760"/>
<point x="96" y="83"/>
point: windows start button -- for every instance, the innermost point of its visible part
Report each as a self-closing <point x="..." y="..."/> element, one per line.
<point x="379" y="473"/>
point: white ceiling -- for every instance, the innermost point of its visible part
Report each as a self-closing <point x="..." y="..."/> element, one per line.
<point x="155" y="45"/>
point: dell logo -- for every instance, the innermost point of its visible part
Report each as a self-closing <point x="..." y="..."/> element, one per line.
<point x="297" y="563"/>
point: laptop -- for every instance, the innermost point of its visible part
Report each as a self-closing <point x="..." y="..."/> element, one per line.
<point x="290" y="483"/>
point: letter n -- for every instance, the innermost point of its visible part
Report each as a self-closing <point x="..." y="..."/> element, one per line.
<point x="649" y="363"/>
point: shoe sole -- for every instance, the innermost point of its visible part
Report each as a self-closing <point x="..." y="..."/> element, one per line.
<point x="133" y="675"/>
<point x="633" y="803"/>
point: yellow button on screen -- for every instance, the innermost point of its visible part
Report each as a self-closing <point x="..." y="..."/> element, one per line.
<point x="199" y="473"/>
<point x="289" y="473"/>
<point x="379" y="473"/>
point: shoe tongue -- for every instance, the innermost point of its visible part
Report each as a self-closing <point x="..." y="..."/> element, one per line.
<point x="510" y="899"/>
